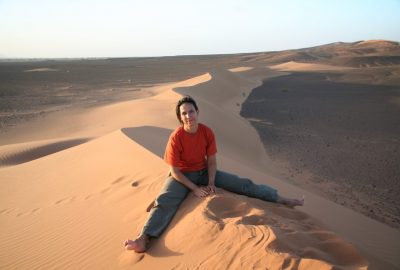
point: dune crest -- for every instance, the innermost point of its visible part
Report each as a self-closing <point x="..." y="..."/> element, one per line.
<point x="15" y="154"/>
<point x="240" y="69"/>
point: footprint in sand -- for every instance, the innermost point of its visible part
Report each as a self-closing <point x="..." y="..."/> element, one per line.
<point x="36" y="210"/>
<point x="3" y="211"/>
<point x="220" y="208"/>
<point x="118" y="180"/>
<point x="257" y="220"/>
<point x="65" y="200"/>
<point x="27" y="213"/>
<point x="225" y="207"/>
<point x="135" y="184"/>
<point x="8" y="211"/>
<point x="105" y="190"/>
<point x="125" y="179"/>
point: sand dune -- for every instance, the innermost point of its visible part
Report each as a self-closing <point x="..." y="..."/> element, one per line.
<point x="71" y="203"/>
<point x="72" y="209"/>
<point x="296" y="66"/>
<point x="240" y="69"/>
<point x="79" y="204"/>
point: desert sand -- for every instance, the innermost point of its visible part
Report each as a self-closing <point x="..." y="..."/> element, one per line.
<point x="76" y="183"/>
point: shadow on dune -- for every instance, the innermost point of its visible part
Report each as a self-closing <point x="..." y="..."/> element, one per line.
<point x="152" y="138"/>
<point x="34" y="152"/>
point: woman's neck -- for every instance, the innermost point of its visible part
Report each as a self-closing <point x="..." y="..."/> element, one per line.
<point x="191" y="129"/>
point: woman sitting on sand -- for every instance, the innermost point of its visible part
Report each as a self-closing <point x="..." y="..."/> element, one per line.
<point x="191" y="155"/>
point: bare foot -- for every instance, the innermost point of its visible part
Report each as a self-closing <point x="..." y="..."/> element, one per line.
<point x="290" y="202"/>
<point x="139" y="245"/>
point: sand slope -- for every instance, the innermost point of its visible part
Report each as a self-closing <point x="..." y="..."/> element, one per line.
<point x="72" y="205"/>
<point x="77" y="206"/>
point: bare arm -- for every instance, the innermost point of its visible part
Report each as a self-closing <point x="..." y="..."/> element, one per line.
<point x="180" y="177"/>
<point x="212" y="171"/>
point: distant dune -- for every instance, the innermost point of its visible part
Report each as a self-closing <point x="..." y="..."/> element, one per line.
<point x="355" y="54"/>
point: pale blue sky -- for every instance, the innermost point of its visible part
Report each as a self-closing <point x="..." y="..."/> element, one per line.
<point x="122" y="28"/>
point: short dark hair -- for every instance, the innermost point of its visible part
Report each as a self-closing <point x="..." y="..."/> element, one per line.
<point x="185" y="99"/>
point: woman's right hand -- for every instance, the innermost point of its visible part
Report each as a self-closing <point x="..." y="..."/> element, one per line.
<point x="201" y="192"/>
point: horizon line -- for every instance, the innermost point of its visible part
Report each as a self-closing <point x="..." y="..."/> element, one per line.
<point x="10" y="59"/>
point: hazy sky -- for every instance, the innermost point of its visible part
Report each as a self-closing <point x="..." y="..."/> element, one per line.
<point x="119" y="28"/>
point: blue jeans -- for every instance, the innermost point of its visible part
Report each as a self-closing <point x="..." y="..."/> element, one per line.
<point x="173" y="193"/>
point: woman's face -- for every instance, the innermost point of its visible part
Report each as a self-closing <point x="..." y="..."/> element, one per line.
<point x="188" y="115"/>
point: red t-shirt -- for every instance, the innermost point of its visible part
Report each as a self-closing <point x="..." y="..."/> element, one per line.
<point x="189" y="151"/>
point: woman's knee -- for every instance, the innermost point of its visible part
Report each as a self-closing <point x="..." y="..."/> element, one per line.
<point x="233" y="183"/>
<point x="222" y="178"/>
<point x="170" y="199"/>
<point x="246" y="185"/>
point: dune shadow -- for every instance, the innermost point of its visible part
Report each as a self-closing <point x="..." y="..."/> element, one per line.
<point x="152" y="138"/>
<point x="35" y="152"/>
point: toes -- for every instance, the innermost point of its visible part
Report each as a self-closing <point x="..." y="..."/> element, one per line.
<point x="135" y="246"/>
<point x="128" y="242"/>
